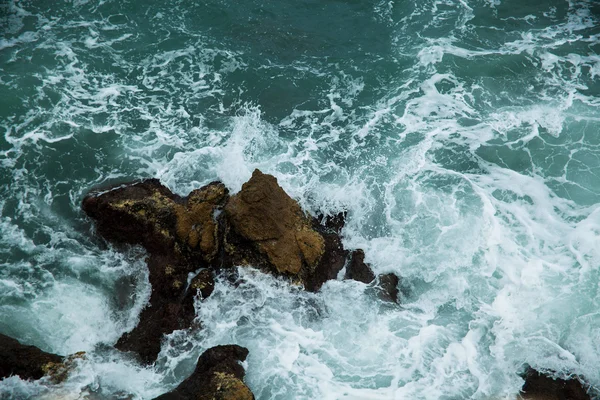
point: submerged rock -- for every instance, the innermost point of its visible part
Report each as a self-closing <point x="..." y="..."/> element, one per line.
<point x="542" y="387"/>
<point x="388" y="285"/>
<point x="29" y="362"/>
<point x="218" y="376"/>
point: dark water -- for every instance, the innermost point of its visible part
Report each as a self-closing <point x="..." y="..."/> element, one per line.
<point x="461" y="136"/>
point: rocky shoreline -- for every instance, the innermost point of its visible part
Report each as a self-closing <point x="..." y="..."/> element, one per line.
<point x="191" y="239"/>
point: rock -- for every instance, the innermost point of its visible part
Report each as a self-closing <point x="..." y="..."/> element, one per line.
<point x="542" y="387"/>
<point x="147" y="213"/>
<point x="260" y="226"/>
<point x="357" y="269"/>
<point x="266" y="216"/>
<point x="58" y="372"/>
<point x="218" y="376"/>
<point x="388" y="285"/>
<point x="334" y="223"/>
<point x="28" y="362"/>
<point x="171" y="306"/>
<point x="180" y="234"/>
<point x="263" y="219"/>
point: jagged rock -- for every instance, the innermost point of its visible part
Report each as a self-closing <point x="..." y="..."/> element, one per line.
<point x="260" y="226"/>
<point x="267" y="228"/>
<point x="218" y="376"/>
<point x="149" y="214"/>
<point x="181" y="236"/>
<point x="171" y="307"/>
<point x="388" y="285"/>
<point x="542" y="387"/>
<point x="357" y="269"/>
<point x="265" y="215"/>
<point x="58" y="372"/>
<point x="28" y="362"/>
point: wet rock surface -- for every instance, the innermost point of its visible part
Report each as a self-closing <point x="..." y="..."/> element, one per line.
<point x="542" y="387"/>
<point x="218" y="376"/>
<point x="260" y="226"/>
<point x="27" y="362"/>
<point x="388" y="287"/>
<point x="266" y="228"/>
<point x="180" y="235"/>
<point x="357" y="269"/>
<point x="149" y="214"/>
<point x="171" y="306"/>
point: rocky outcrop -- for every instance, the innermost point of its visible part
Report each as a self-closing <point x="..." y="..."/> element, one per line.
<point x="261" y="226"/>
<point x="542" y="387"/>
<point x="29" y="362"/>
<point x="218" y="376"/>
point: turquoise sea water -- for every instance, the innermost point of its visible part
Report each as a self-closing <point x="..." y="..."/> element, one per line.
<point x="462" y="137"/>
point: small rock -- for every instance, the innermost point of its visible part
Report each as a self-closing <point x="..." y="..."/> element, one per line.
<point x="218" y="376"/>
<point x="264" y="214"/>
<point x="357" y="269"/>
<point x="388" y="285"/>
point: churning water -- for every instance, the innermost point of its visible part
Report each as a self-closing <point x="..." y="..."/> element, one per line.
<point x="462" y="137"/>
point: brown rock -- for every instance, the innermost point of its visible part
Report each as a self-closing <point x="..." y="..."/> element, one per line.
<point x="265" y="215"/>
<point x="58" y="372"/>
<point x="357" y="269"/>
<point x="541" y="387"/>
<point x="149" y="214"/>
<point x="171" y="306"/>
<point x="218" y="376"/>
<point x="181" y="236"/>
<point x="28" y="362"/>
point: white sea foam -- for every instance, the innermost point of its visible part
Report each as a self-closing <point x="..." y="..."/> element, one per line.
<point x="481" y="193"/>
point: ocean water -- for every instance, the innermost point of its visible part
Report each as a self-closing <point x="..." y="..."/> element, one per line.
<point x="461" y="136"/>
